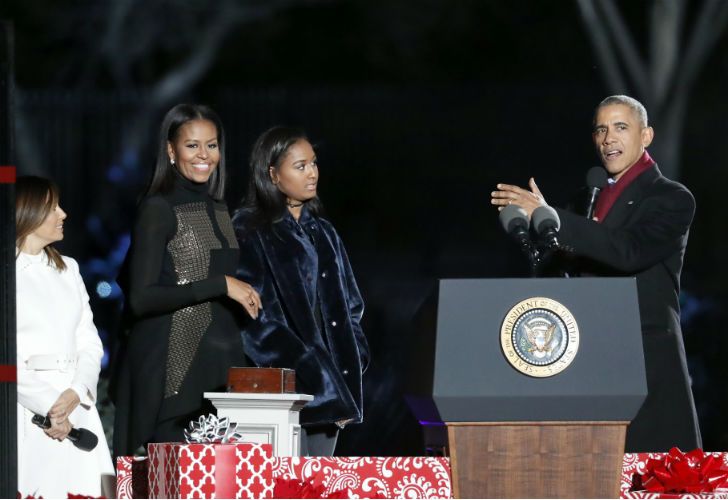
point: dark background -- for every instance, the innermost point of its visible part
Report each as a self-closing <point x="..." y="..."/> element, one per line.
<point x="417" y="109"/>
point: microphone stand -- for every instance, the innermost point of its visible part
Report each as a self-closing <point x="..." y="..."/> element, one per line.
<point x="534" y="258"/>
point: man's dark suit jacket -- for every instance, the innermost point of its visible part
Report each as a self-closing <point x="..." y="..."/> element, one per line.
<point x="644" y="235"/>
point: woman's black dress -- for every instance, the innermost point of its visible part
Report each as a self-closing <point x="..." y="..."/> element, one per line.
<point x="183" y="335"/>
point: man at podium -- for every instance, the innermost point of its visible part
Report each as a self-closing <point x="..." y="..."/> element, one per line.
<point x="640" y="228"/>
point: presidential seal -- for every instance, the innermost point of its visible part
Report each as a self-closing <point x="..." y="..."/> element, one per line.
<point x="539" y="337"/>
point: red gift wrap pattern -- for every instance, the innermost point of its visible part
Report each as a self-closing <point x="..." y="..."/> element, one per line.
<point x="637" y="463"/>
<point x="131" y="477"/>
<point x="239" y="470"/>
<point x="369" y="477"/>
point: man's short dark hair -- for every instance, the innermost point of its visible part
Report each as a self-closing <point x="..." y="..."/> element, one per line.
<point x="630" y="102"/>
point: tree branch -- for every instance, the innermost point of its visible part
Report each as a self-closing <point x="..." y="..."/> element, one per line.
<point x="229" y="15"/>
<point x="711" y="21"/>
<point x="602" y="47"/>
<point x="114" y="39"/>
<point x="666" y="23"/>
<point x="627" y="47"/>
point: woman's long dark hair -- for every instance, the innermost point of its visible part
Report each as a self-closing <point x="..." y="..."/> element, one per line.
<point x="35" y="198"/>
<point x="264" y="198"/>
<point x="164" y="172"/>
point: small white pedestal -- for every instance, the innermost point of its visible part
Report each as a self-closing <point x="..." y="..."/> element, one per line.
<point x="264" y="418"/>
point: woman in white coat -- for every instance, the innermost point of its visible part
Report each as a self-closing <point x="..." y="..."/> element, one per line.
<point x="59" y="356"/>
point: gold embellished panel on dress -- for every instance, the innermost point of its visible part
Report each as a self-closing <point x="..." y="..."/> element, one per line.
<point x="226" y="227"/>
<point x="190" y="250"/>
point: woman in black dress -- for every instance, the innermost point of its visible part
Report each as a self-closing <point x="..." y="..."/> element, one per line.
<point x="312" y="307"/>
<point x="181" y="296"/>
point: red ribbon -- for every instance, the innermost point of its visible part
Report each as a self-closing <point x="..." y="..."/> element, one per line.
<point x="7" y="175"/>
<point x="225" y="484"/>
<point x="8" y="373"/>
<point x="678" y="472"/>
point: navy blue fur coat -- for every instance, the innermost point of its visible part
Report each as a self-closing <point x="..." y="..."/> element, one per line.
<point x="292" y="265"/>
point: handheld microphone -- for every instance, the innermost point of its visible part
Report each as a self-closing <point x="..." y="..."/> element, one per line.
<point x="596" y="179"/>
<point x="83" y="439"/>
<point x="546" y="222"/>
<point x="514" y="220"/>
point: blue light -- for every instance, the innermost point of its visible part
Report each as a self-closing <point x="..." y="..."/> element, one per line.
<point x="105" y="359"/>
<point x="93" y="224"/>
<point x="118" y="253"/>
<point x="103" y="289"/>
<point x="115" y="174"/>
<point x="129" y="159"/>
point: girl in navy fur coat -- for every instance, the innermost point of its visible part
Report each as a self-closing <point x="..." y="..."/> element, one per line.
<point x="311" y="313"/>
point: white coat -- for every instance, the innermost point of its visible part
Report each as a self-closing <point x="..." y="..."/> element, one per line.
<point x="54" y="319"/>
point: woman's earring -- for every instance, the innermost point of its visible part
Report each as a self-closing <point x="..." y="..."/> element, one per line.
<point x="172" y="160"/>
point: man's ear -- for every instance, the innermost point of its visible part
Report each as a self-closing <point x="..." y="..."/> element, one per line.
<point x="648" y="133"/>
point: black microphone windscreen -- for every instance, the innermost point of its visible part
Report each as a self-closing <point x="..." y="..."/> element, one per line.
<point x="512" y="217"/>
<point x="545" y="217"/>
<point x="83" y="439"/>
<point x="596" y="177"/>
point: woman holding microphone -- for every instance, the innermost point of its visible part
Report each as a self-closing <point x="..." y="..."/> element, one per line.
<point x="59" y="356"/>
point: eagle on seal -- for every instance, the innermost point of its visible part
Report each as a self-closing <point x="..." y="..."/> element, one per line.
<point x="539" y="339"/>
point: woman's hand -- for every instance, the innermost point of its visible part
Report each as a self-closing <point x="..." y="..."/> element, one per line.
<point x="59" y="429"/>
<point x="245" y="295"/>
<point x="64" y="405"/>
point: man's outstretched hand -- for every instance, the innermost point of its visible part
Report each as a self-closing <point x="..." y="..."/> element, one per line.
<point x="507" y="194"/>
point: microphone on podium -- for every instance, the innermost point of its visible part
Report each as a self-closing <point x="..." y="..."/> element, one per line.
<point x="546" y="222"/>
<point x="514" y="220"/>
<point x="596" y="179"/>
<point x="83" y="439"/>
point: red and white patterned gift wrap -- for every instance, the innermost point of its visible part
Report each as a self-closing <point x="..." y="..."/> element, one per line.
<point x="635" y="463"/>
<point x="131" y="477"/>
<point x="239" y="470"/>
<point x="367" y="477"/>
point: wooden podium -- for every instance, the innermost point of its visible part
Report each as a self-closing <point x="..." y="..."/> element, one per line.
<point x="514" y="435"/>
<point x="536" y="459"/>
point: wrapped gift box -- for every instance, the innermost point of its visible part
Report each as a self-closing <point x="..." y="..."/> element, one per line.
<point x="369" y="477"/>
<point x="131" y="477"/>
<point x="239" y="470"/>
<point x="634" y="463"/>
